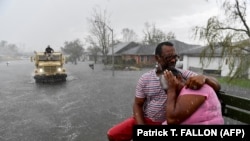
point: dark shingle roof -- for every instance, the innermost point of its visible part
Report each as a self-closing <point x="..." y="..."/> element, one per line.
<point x="131" y="51"/>
<point x="132" y="48"/>
<point x="140" y="50"/>
<point x="182" y="47"/>
<point x="121" y="47"/>
<point x="147" y="50"/>
<point x="197" y="51"/>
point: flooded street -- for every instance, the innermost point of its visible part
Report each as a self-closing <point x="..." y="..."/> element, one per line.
<point x="81" y="109"/>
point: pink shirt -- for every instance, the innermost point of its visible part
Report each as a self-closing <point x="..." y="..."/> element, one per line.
<point x="209" y="112"/>
<point x="149" y="87"/>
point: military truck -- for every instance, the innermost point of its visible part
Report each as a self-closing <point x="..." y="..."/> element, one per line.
<point x="49" y="67"/>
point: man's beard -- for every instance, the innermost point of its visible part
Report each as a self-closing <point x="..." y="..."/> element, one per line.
<point x="169" y="66"/>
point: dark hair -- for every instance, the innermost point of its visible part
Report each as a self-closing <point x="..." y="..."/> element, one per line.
<point x="158" y="48"/>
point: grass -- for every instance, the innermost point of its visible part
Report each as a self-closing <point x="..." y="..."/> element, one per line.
<point x="244" y="83"/>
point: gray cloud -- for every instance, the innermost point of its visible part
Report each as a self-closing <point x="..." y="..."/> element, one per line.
<point x="36" y="23"/>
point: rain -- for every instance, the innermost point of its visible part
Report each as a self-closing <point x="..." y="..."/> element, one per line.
<point x="83" y="107"/>
<point x="91" y="100"/>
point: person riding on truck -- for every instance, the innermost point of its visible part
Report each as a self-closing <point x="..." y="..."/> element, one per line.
<point x="49" y="50"/>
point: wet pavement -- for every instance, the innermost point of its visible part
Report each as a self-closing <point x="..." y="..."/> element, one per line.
<point x="81" y="109"/>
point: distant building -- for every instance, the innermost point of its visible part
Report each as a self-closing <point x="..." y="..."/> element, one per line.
<point x="143" y="56"/>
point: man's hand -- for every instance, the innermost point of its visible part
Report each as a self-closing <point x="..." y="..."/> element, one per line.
<point x="196" y="82"/>
<point x="172" y="81"/>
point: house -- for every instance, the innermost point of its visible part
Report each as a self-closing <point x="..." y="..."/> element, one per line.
<point x="217" y="65"/>
<point x="134" y="53"/>
<point x="191" y="60"/>
<point x="143" y="55"/>
<point x="119" y="48"/>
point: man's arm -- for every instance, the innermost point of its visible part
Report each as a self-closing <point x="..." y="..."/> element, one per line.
<point x="196" y="82"/>
<point x="138" y="110"/>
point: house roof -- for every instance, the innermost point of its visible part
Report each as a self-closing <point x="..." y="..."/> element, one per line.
<point x="146" y="50"/>
<point x="216" y="52"/>
<point x="193" y="51"/>
<point x="132" y="48"/>
<point x="131" y="51"/>
<point x="198" y="50"/>
<point x="179" y="46"/>
<point x="140" y="50"/>
<point x="122" y="47"/>
<point x="182" y="47"/>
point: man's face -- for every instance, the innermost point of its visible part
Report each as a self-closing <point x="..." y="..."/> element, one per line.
<point x="168" y="58"/>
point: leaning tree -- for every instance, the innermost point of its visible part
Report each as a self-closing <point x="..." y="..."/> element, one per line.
<point x="231" y="34"/>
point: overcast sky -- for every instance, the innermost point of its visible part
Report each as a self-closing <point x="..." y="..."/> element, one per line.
<point x="34" y="24"/>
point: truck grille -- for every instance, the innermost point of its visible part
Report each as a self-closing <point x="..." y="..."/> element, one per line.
<point x="50" y="69"/>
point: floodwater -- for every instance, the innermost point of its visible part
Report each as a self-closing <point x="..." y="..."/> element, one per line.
<point x="81" y="109"/>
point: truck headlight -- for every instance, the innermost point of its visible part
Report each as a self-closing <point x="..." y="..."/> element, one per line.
<point x="41" y="70"/>
<point x="59" y="69"/>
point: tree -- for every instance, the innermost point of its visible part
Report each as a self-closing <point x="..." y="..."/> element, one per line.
<point x="93" y="48"/>
<point x="74" y="49"/>
<point x="100" y="33"/>
<point x="129" y="35"/>
<point x="153" y="35"/>
<point x="8" y="49"/>
<point x="170" y="35"/>
<point x="230" y="33"/>
<point x="94" y="52"/>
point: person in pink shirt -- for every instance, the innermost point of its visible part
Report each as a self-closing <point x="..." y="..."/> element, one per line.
<point x="151" y="93"/>
<point x="189" y="106"/>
